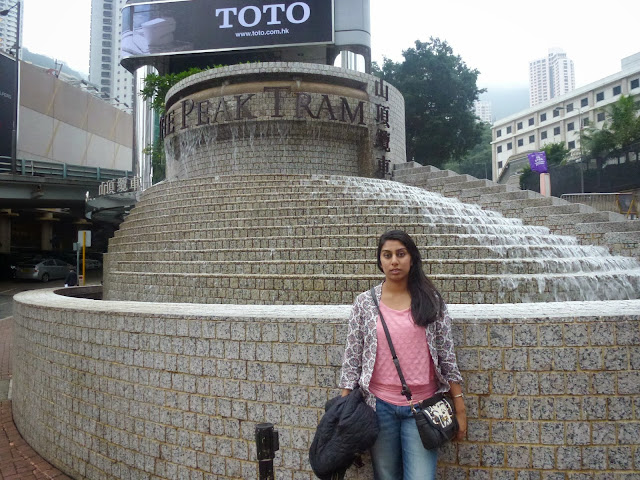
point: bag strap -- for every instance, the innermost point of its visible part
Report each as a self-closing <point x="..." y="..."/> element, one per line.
<point x="406" y="391"/>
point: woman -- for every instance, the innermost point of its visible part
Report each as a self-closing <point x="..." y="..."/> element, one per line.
<point x="420" y="328"/>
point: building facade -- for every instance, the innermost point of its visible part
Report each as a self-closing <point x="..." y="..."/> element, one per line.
<point x="105" y="71"/>
<point x="483" y="110"/>
<point x="562" y="118"/>
<point x="9" y="25"/>
<point x="550" y="77"/>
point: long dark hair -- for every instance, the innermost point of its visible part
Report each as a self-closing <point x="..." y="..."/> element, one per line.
<point x="426" y="302"/>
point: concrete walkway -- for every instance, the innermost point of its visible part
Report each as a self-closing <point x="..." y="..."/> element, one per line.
<point x="18" y="460"/>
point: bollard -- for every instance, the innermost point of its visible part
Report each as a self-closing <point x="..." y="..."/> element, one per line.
<point x="267" y="444"/>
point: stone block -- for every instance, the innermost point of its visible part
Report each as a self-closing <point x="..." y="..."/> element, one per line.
<point x="543" y="458"/>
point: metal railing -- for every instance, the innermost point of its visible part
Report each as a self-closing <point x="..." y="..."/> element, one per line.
<point x="38" y="168"/>
<point x="625" y="203"/>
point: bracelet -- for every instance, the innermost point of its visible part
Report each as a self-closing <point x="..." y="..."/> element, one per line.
<point x="460" y="395"/>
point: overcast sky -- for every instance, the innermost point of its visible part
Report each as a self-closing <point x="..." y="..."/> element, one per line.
<point x="497" y="37"/>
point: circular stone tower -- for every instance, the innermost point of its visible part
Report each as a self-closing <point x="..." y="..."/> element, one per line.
<point x="283" y="118"/>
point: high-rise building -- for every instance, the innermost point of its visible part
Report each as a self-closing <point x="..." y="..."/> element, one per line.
<point x="550" y="77"/>
<point x="483" y="110"/>
<point x="115" y="82"/>
<point x="9" y="25"/>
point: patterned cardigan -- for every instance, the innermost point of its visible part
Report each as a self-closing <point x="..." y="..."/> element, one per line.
<point x="362" y="342"/>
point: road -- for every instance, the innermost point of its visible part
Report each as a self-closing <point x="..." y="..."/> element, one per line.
<point x="10" y="288"/>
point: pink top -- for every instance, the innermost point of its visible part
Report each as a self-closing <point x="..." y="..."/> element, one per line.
<point x="410" y="343"/>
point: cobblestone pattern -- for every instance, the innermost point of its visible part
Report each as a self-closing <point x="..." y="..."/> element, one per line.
<point x="18" y="461"/>
<point x="125" y="390"/>
<point x="279" y="141"/>
<point x="6" y="341"/>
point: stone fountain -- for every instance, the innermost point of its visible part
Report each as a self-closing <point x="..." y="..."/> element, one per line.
<point x="227" y="288"/>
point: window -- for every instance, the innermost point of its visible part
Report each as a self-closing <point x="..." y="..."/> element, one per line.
<point x="571" y="145"/>
<point x="543" y="117"/>
<point x="543" y="135"/>
<point x="635" y="83"/>
<point x="617" y="90"/>
<point x="499" y="164"/>
<point x="584" y="102"/>
<point x="570" y="126"/>
<point x="520" y="142"/>
<point x="500" y="149"/>
<point x="556" y="131"/>
<point x="600" y="117"/>
<point x="569" y="107"/>
<point x="499" y="133"/>
<point x="519" y="126"/>
<point x="509" y="146"/>
<point x="585" y="122"/>
<point x="599" y="96"/>
<point x="556" y="112"/>
<point x="531" y="121"/>
<point x="509" y="129"/>
<point x="532" y="138"/>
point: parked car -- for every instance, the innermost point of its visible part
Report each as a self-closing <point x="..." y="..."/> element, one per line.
<point x="92" y="264"/>
<point x="42" y="269"/>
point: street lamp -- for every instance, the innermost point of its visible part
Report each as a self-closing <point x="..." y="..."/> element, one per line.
<point x="16" y="88"/>
<point x="581" y="162"/>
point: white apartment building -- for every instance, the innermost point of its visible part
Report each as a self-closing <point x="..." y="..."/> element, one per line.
<point x="114" y="82"/>
<point x="483" y="110"/>
<point x="561" y="118"/>
<point x="9" y="25"/>
<point x="550" y="77"/>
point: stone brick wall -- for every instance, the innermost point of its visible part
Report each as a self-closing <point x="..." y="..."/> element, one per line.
<point x="165" y="391"/>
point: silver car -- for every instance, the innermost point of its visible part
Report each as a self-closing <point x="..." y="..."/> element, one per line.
<point x="43" y="270"/>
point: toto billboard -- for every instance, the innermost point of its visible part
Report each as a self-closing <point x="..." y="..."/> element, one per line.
<point x="183" y="26"/>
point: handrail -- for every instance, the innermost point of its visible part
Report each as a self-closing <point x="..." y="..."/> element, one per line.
<point x="38" y="168"/>
<point x="625" y="203"/>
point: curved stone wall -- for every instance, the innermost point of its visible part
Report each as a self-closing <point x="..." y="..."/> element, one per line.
<point x="146" y="390"/>
<point x="282" y="118"/>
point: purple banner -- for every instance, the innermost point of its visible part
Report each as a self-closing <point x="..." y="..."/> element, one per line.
<point x="538" y="162"/>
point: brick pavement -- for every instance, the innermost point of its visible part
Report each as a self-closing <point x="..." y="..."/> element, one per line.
<point x="18" y="461"/>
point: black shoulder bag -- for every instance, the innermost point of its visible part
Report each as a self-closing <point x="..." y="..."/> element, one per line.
<point x="435" y="417"/>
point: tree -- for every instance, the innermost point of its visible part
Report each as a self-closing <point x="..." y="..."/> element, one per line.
<point x="477" y="162"/>
<point x="439" y="91"/>
<point x="617" y="135"/>
<point x="625" y="123"/>
<point x="556" y="153"/>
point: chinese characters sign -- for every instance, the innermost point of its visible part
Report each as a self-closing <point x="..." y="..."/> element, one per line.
<point x="120" y="185"/>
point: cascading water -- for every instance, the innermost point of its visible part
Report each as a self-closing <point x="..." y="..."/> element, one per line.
<point x="259" y="232"/>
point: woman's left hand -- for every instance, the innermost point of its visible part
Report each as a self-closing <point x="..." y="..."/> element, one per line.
<point x="461" y="416"/>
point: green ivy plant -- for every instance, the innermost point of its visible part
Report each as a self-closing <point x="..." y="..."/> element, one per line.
<point x="157" y="86"/>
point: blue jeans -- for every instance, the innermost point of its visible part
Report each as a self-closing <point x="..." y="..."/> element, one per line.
<point x="398" y="453"/>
